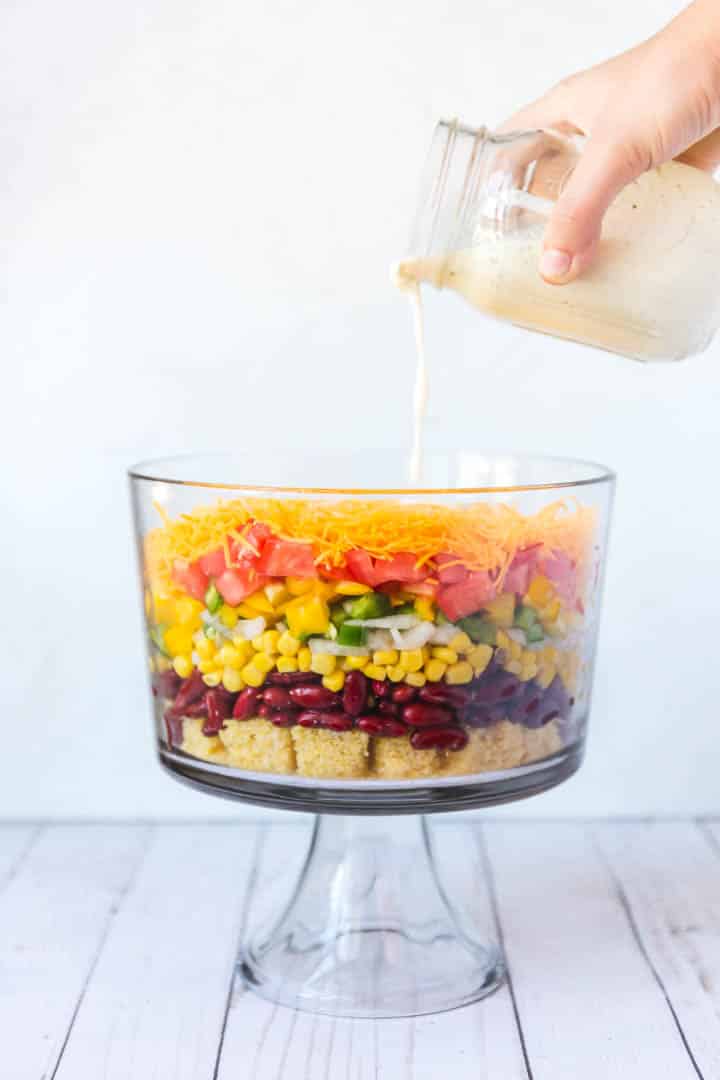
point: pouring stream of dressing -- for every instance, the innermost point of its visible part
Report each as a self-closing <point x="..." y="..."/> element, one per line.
<point x="420" y="393"/>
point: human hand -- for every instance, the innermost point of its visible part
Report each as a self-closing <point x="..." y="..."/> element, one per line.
<point x="659" y="101"/>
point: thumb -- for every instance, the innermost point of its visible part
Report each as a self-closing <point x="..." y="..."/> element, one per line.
<point x="573" y="232"/>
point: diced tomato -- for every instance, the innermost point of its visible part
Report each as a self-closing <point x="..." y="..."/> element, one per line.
<point x="283" y="558"/>
<point x="360" y="567"/>
<point x="334" y="573"/>
<point x="522" y="569"/>
<point x="466" y="597"/>
<point x="213" y="564"/>
<point x="250" y="547"/>
<point x="562" y="571"/>
<point x="399" y="568"/>
<point x="235" y="584"/>
<point x="191" y="578"/>
<point x="449" y="569"/>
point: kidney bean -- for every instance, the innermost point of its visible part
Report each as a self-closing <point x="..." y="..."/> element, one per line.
<point x="277" y="698"/>
<point x="403" y="695"/>
<point x="263" y="711"/>
<point x="198" y="708"/>
<point x="310" y="718"/>
<point x="439" y="738"/>
<point x="313" y="697"/>
<point x="387" y="708"/>
<point x="381" y="725"/>
<point x="337" y="721"/>
<point x="293" y="678"/>
<point x="246" y="703"/>
<point x="168" y="683"/>
<point x="218" y="711"/>
<point x="191" y="689"/>
<point x="421" y="715"/>
<point x="282" y="719"/>
<point x="355" y="693"/>
<point x="174" y="728"/>
<point x="502" y="687"/>
<point x="439" y="694"/>
<point x="380" y="688"/>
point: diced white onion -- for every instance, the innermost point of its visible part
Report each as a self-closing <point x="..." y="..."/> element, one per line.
<point x="380" y="639"/>
<point x="250" y="628"/>
<point x="517" y="635"/>
<point x="415" y="637"/>
<point x="322" y="645"/>
<point x="443" y="634"/>
<point x="387" y="622"/>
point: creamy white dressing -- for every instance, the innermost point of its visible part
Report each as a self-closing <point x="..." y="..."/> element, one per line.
<point x="421" y="390"/>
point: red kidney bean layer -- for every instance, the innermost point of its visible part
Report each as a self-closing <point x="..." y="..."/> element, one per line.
<point x="435" y="716"/>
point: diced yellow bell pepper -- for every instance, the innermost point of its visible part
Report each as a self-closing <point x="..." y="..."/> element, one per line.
<point x="178" y="639"/>
<point x="228" y="616"/>
<point x="540" y="591"/>
<point x="299" y="586"/>
<point x="424" y="608"/>
<point x="308" y="615"/>
<point x="502" y="610"/>
<point x="351" y="588"/>
<point x="188" y="611"/>
<point x="163" y="607"/>
<point x="276" y="593"/>
<point x="259" y="603"/>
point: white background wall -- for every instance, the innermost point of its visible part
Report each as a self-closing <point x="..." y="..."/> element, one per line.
<point x="200" y="203"/>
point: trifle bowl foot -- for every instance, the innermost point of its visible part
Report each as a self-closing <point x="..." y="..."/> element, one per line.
<point x="370" y="929"/>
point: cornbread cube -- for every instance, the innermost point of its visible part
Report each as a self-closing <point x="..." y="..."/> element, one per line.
<point x="209" y="748"/>
<point x="396" y="759"/>
<point x="259" y="746"/>
<point x="542" y="742"/>
<point x="501" y="746"/>
<point x="338" y="755"/>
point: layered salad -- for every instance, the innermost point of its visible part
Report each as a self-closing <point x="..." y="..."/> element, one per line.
<point x="369" y="639"/>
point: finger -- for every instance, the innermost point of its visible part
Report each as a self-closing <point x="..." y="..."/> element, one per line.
<point x="704" y="154"/>
<point x="573" y="232"/>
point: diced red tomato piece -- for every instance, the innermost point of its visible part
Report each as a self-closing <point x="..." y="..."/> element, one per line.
<point x="562" y="571"/>
<point x="250" y="547"/>
<point x="466" y="597"/>
<point x="334" y="573"/>
<point x="400" y="568"/>
<point x="213" y="564"/>
<point x="360" y="567"/>
<point x="235" y="584"/>
<point x="522" y="570"/>
<point x="191" y="578"/>
<point x="449" y="570"/>
<point x="283" y="558"/>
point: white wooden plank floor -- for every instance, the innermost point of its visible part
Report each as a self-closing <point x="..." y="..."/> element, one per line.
<point x="118" y="943"/>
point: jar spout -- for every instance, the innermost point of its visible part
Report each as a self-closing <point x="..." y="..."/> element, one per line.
<point x="412" y="271"/>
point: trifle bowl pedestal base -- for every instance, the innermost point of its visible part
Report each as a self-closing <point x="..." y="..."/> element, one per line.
<point x="370" y="930"/>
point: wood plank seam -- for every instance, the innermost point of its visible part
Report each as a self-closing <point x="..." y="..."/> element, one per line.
<point x="29" y="844"/>
<point x="627" y="909"/>
<point x="247" y="900"/>
<point x="115" y="907"/>
<point x="495" y="908"/>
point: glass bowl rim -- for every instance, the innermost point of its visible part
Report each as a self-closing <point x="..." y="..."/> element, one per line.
<point x="151" y="470"/>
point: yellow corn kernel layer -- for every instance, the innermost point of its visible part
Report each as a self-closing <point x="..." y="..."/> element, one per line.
<point x="303" y="604"/>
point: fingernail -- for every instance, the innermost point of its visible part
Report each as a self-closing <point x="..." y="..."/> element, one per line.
<point x="555" y="265"/>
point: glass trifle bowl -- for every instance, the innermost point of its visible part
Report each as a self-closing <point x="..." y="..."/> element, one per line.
<point x="324" y="638"/>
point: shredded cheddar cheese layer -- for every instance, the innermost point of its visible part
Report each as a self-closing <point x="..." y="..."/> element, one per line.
<point x="482" y="535"/>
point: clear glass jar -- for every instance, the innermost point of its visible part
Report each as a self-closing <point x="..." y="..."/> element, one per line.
<point x="652" y="293"/>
